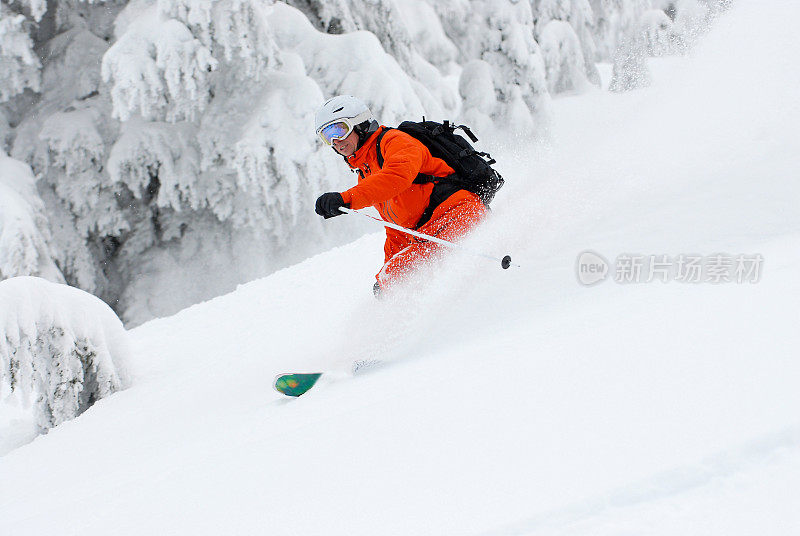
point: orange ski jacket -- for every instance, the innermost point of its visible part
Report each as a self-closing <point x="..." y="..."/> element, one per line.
<point x="391" y="189"/>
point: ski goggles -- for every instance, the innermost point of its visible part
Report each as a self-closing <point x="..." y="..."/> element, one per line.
<point x="337" y="130"/>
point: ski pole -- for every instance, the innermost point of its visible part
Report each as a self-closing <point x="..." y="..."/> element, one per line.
<point x="505" y="262"/>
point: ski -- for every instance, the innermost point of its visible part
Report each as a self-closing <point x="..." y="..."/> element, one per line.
<point x="298" y="383"/>
<point x="295" y="384"/>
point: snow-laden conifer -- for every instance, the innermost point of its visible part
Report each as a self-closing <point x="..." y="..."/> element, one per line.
<point x="158" y="69"/>
<point x="19" y="64"/>
<point x="630" y="65"/>
<point x="501" y="34"/>
<point x="615" y="22"/>
<point x="691" y="19"/>
<point x="659" y="35"/>
<point x="563" y="58"/>
<point x="428" y="36"/>
<point x="579" y="16"/>
<point x="24" y="231"/>
<point x="61" y="349"/>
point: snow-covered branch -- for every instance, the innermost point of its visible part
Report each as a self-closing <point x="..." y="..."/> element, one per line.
<point x="159" y="70"/>
<point x="24" y="230"/>
<point x="61" y="349"/>
<point x="18" y="63"/>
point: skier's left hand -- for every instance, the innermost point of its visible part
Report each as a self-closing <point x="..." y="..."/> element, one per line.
<point x="328" y="205"/>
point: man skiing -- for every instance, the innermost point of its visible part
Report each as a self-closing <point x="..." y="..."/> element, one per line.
<point x="440" y="209"/>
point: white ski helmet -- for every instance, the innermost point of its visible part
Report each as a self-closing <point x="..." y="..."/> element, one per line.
<point x="338" y="117"/>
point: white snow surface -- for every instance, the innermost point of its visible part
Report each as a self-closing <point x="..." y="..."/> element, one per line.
<point x="513" y="402"/>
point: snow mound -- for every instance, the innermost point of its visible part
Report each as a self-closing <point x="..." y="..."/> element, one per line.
<point x="61" y="349"/>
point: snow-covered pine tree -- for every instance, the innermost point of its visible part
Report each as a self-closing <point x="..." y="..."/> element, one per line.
<point x="62" y="133"/>
<point x="563" y="57"/>
<point x="630" y="65"/>
<point x="615" y="23"/>
<point x="61" y="349"/>
<point x="690" y="18"/>
<point x="659" y="35"/>
<point x="66" y="142"/>
<point x="572" y="66"/>
<point x="18" y="62"/>
<point x="24" y="231"/>
<point x="328" y="16"/>
<point x="352" y="63"/>
<point x="501" y="34"/>
<point x="428" y="36"/>
<point x="409" y="31"/>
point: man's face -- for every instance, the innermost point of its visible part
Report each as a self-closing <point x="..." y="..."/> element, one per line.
<point x="346" y="146"/>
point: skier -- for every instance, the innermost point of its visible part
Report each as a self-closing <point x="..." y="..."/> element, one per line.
<point x="439" y="209"/>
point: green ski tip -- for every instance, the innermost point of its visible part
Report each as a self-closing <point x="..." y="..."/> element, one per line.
<point x="295" y="384"/>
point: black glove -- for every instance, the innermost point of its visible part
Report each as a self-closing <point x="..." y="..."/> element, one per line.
<point x="328" y="205"/>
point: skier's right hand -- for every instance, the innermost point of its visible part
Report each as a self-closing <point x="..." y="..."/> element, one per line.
<point x="328" y="205"/>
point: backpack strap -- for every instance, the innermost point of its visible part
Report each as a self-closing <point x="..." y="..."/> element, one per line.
<point x="420" y="179"/>
<point x="378" y="145"/>
<point x="442" y="189"/>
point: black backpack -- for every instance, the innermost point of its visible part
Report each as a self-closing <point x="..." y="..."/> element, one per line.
<point x="473" y="169"/>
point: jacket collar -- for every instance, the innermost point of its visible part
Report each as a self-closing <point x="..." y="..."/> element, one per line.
<point x="361" y="152"/>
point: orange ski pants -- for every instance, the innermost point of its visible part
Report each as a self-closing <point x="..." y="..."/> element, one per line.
<point x="451" y="220"/>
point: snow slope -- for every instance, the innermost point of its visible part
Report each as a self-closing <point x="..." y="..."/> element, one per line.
<point x="514" y="402"/>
